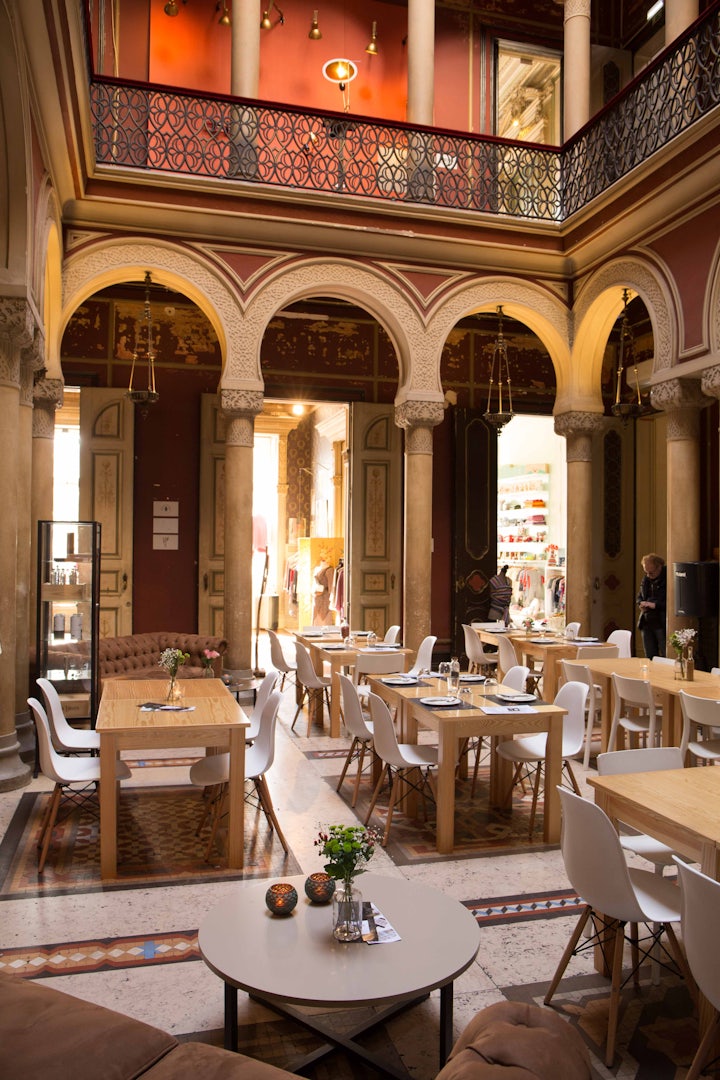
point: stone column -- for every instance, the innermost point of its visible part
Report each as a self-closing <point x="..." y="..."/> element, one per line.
<point x="31" y="360"/>
<point x="418" y="418"/>
<point x="16" y="333"/>
<point x="679" y="14"/>
<point x="578" y="429"/>
<point x="240" y="407"/>
<point x="576" y="65"/>
<point x="47" y="399"/>
<point x="421" y="61"/>
<point x="245" y="52"/>
<point x="682" y="400"/>
<point x="710" y="385"/>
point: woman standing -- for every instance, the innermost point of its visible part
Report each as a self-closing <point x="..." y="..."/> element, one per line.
<point x="651" y="601"/>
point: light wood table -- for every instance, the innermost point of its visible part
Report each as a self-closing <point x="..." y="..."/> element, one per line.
<point x="665" y="686"/>
<point x="453" y="725"/>
<point x="547" y="648"/>
<point x="331" y="650"/>
<point x="216" y="720"/>
<point x="285" y="962"/>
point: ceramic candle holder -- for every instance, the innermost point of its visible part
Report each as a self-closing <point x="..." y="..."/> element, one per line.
<point x="319" y="888"/>
<point x="281" y="898"/>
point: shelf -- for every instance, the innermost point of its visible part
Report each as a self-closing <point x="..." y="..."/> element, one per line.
<point x="64" y="593"/>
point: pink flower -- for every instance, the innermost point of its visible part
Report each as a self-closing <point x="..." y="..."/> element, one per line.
<point x="211" y="654"/>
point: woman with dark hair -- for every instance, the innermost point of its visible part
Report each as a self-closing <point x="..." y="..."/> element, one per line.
<point x="500" y="596"/>
<point x="651" y="601"/>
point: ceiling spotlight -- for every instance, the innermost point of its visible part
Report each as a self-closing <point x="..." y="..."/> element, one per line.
<point x="314" y="34"/>
<point x="265" y="23"/>
<point x="224" y="19"/>
<point x="171" y="8"/>
<point x="371" y="47"/>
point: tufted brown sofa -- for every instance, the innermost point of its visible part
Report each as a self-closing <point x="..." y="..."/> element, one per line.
<point x="137" y="656"/>
<point x="46" y="1033"/>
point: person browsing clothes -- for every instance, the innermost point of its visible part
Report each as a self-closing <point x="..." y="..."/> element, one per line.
<point x="500" y="596"/>
<point x="652" y="603"/>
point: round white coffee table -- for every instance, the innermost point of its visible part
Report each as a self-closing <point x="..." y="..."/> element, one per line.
<point x="294" y="960"/>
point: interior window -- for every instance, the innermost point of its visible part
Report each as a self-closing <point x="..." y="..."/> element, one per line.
<point x="527" y="93"/>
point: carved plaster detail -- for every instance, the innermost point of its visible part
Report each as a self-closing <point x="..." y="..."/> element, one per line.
<point x="419" y="440"/>
<point x="97" y="266"/>
<point x="17" y="332"/>
<point x="240" y="431"/>
<point x="238" y="403"/>
<point x="578" y="429"/>
<point x="469" y="297"/>
<point x="710" y="381"/>
<point x="47" y="399"/>
<point x="677" y="394"/>
<point x="419" y="414"/>
<point x="636" y="275"/>
<point x="576" y="7"/>
<point x="26" y="384"/>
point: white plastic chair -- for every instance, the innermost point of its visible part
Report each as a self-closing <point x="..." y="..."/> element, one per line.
<point x="360" y="729"/>
<point x="400" y="760"/>
<point x="265" y="690"/>
<point x="635" y="710"/>
<point x="65" y="738"/>
<point x="515" y="678"/>
<point x="703" y="713"/>
<point x="573" y="672"/>
<point x="572" y="629"/>
<point x="423" y="660"/>
<point x="700" y="908"/>
<point x="311" y="683"/>
<point x="392" y="635"/>
<point x="214" y="771"/>
<point x="277" y="657"/>
<point x="614" y="896"/>
<point x="529" y="750"/>
<point x="667" y="660"/>
<point x="623" y="639"/>
<point x="374" y="663"/>
<point x="72" y="777"/>
<point x="478" y="659"/>
<point x="507" y="657"/>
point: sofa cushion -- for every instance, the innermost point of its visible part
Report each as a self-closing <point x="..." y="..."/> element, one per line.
<point x="197" y="1061"/>
<point x="512" y="1040"/>
<point x="46" y="1033"/>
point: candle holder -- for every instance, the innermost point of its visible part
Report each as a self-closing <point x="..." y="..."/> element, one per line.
<point x="319" y="888"/>
<point x="281" y="898"/>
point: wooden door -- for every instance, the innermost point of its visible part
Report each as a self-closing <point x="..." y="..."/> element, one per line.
<point x="374" y="556"/>
<point x="475" y="552"/>
<point x="107" y="428"/>
<point x="211" y="540"/>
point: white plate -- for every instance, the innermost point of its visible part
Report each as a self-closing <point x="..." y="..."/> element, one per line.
<point x="437" y="702"/>
<point x="334" y="645"/>
<point x="583" y="639"/>
<point x="517" y="699"/>
<point x="496" y="630"/>
<point x="545" y="641"/>
<point x="472" y="678"/>
<point x="399" y="682"/>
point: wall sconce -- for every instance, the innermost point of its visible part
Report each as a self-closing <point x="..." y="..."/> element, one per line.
<point x="265" y="23"/>
<point x="371" y="47"/>
<point x="224" y="19"/>
<point x="501" y="416"/>
<point x="341" y="71"/>
<point x="314" y="34"/>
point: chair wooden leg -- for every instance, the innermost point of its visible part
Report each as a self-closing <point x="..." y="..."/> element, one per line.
<point x="569" y="951"/>
<point x="49" y="825"/>
<point x="375" y="794"/>
<point x="303" y="696"/>
<point x="571" y="774"/>
<point x="391" y="805"/>
<point x="348" y="759"/>
<point x="703" y="1050"/>
<point x="536" y="792"/>
<point x="615" y="993"/>
<point x="266" y="803"/>
<point x="361" y="761"/>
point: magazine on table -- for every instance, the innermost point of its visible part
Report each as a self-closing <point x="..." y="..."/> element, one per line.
<point x="376" y="930"/>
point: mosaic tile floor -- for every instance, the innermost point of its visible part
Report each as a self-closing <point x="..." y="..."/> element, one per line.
<point x="133" y="947"/>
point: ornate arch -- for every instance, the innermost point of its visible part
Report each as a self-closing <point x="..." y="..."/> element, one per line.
<point x="599" y="303"/>
<point x="366" y="286"/>
<point x="185" y="270"/>
<point x="545" y="314"/>
<point x="713" y="302"/>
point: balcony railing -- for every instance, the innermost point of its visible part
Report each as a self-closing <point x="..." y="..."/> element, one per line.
<point x="141" y="126"/>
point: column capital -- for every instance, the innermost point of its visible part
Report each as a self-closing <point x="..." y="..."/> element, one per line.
<point x="710" y="382"/>
<point x="418" y="418"/>
<point x="574" y="8"/>
<point x="682" y="400"/>
<point x="578" y="428"/>
<point x="17" y="332"/>
<point x="240" y="407"/>
<point x="47" y="399"/>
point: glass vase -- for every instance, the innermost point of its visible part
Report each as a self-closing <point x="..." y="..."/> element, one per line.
<point x="174" y="693"/>
<point x="680" y="668"/>
<point x="347" y="912"/>
<point x="208" y="672"/>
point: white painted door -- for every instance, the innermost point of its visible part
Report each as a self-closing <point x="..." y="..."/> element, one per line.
<point x="107" y="427"/>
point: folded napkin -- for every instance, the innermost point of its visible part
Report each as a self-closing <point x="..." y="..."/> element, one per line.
<point x="507" y="708"/>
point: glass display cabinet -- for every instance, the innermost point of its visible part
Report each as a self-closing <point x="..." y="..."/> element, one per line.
<point x="68" y="599"/>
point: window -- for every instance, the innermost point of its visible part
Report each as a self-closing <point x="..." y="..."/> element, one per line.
<point x="527" y="93"/>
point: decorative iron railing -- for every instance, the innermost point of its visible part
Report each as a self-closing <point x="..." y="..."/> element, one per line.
<point x="141" y="126"/>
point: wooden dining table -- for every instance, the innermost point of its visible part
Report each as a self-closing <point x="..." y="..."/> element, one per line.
<point x="210" y="717"/>
<point x="330" y="649"/>
<point x="543" y="646"/>
<point x="472" y="718"/>
<point x="666" y="689"/>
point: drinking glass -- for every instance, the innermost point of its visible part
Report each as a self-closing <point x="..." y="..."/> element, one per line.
<point x="444" y="670"/>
